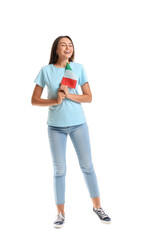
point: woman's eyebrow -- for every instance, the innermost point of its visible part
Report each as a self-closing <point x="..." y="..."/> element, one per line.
<point x="65" y="42"/>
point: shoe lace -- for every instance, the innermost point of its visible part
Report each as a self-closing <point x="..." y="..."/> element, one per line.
<point x="60" y="217"/>
<point x="102" y="213"/>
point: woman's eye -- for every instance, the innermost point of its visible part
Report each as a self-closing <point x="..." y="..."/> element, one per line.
<point x="64" y="45"/>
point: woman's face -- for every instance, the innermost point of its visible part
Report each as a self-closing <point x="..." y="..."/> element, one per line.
<point x="64" y="48"/>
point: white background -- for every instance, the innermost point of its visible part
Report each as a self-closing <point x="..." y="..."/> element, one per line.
<point x="118" y="44"/>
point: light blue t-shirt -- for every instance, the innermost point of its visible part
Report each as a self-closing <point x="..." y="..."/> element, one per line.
<point x="68" y="113"/>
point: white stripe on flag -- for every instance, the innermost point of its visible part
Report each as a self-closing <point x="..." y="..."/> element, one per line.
<point x="70" y="74"/>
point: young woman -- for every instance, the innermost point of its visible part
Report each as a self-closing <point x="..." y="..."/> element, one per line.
<point x="66" y="116"/>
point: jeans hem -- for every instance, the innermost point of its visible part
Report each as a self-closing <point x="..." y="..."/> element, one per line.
<point x="60" y="203"/>
<point x="95" y="196"/>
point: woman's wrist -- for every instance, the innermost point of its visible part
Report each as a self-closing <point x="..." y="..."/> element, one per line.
<point x="68" y="95"/>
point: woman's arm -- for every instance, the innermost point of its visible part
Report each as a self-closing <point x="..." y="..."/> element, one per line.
<point x="38" y="101"/>
<point x="86" y="97"/>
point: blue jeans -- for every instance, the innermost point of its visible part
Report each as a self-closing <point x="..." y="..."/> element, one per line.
<point x="79" y="135"/>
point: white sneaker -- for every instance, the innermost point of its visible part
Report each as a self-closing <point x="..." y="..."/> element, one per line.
<point x="59" y="221"/>
<point x="102" y="215"/>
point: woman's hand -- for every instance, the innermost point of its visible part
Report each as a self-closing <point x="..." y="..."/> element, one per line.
<point x="65" y="89"/>
<point x="61" y="96"/>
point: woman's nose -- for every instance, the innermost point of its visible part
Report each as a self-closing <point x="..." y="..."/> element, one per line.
<point x="67" y="46"/>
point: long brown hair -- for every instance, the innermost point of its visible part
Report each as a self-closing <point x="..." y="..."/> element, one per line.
<point x="53" y="55"/>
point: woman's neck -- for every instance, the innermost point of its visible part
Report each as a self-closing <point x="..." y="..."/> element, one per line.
<point x="62" y="63"/>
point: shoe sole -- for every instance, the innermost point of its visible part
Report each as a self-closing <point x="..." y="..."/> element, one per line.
<point x="106" y="222"/>
<point x="58" y="226"/>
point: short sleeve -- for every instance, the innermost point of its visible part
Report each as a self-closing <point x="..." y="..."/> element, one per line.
<point x="40" y="79"/>
<point x="83" y="77"/>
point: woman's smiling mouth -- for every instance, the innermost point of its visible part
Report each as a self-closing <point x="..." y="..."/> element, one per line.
<point x="67" y="52"/>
